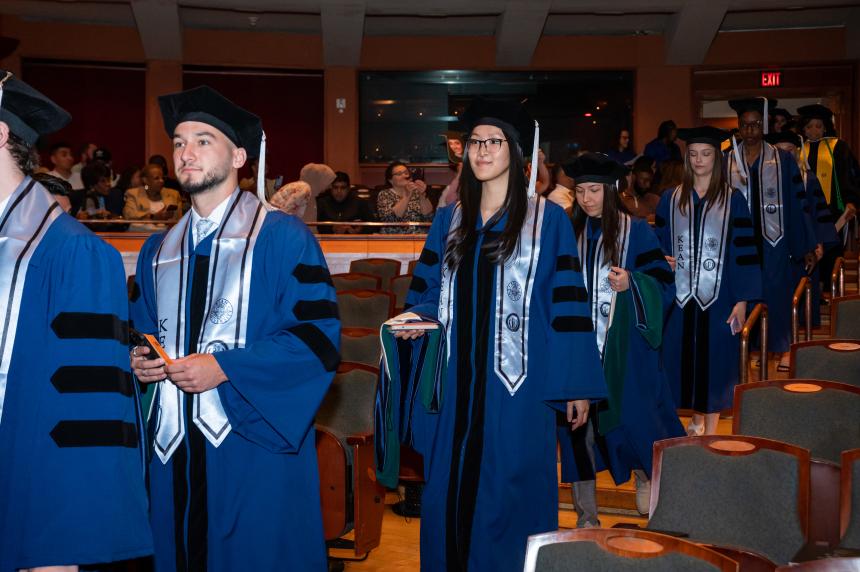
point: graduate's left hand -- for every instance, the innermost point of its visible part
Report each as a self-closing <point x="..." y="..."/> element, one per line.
<point x="196" y="373"/>
<point x="809" y="261"/>
<point x="577" y="413"/>
<point x="619" y="279"/>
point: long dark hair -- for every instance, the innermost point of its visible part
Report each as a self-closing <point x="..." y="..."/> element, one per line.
<point x="718" y="189"/>
<point x="609" y="218"/>
<point x="515" y="205"/>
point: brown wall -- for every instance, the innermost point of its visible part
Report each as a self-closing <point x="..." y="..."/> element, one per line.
<point x="662" y="91"/>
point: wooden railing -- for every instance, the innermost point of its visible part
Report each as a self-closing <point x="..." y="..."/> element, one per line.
<point x="803" y="291"/>
<point x="758" y="313"/>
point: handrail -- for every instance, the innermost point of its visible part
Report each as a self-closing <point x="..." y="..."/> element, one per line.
<point x="804" y="287"/>
<point x="759" y="312"/>
<point x="310" y="223"/>
<point x="838" y="273"/>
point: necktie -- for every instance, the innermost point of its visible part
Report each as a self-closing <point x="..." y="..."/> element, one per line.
<point x="203" y="227"/>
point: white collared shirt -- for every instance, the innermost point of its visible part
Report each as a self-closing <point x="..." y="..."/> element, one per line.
<point x="216" y="216"/>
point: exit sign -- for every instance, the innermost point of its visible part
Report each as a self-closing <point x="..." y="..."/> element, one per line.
<point x="771" y="78"/>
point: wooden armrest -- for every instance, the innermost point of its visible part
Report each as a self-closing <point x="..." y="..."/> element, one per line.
<point x="633" y="526"/>
<point x="748" y="560"/>
<point x="360" y="439"/>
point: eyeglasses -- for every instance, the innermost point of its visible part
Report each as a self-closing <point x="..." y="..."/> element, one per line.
<point x="492" y="145"/>
<point x="751" y="125"/>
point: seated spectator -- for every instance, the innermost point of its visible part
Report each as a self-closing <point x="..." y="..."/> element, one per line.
<point x="562" y="185"/>
<point x="130" y="178"/>
<point x="342" y="204"/>
<point x="60" y="189"/>
<point x="152" y="200"/>
<point x="103" y="155"/>
<point x="169" y="182"/>
<point x="637" y="197"/>
<point x="663" y="147"/>
<point x="100" y="199"/>
<point x="85" y="155"/>
<point x="621" y="150"/>
<point x="319" y="177"/>
<point x="293" y="198"/>
<point x="62" y="161"/>
<point x="404" y="201"/>
<point x="250" y="183"/>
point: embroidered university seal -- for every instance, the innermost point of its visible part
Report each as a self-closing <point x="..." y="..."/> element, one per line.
<point x="512" y="322"/>
<point x="711" y="243"/>
<point x="215" y="346"/>
<point x="221" y="312"/>
<point x="514" y="290"/>
<point x="604" y="309"/>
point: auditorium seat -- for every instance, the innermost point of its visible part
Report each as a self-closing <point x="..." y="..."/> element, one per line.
<point x="611" y="550"/>
<point x="385" y="268"/>
<point x="850" y="501"/>
<point x="833" y="360"/>
<point x="400" y="287"/>
<point x="356" y="281"/>
<point x="360" y="345"/>
<point x="821" y="416"/>
<point x="845" y="318"/>
<point x="411" y="267"/>
<point x="364" y="308"/>
<point x="351" y="497"/>
<point x="744" y="496"/>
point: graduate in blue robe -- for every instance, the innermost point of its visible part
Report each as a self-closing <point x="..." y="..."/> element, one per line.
<point x="235" y="486"/>
<point x="632" y="291"/>
<point x="490" y="452"/>
<point x="71" y="453"/>
<point x="717" y="279"/>
<point x="822" y="218"/>
<point x="770" y="181"/>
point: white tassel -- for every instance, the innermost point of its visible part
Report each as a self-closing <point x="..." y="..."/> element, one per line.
<point x="261" y="174"/>
<point x="765" y="121"/>
<point x="533" y="176"/>
<point x="741" y="165"/>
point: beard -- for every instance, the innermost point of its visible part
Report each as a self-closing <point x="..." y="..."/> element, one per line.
<point x="210" y="180"/>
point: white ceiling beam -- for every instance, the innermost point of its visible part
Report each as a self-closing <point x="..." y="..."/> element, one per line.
<point x="692" y="30"/>
<point x="159" y="28"/>
<point x="342" y="32"/>
<point x="520" y="28"/>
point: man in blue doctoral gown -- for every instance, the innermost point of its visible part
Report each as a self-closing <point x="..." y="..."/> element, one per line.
<point x="770" y="181"/>
<point x="71" y="458"/>
<point x="242" y="302"/>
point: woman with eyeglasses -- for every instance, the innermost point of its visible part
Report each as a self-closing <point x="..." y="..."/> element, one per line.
<point x="707" y="231"/>
<point x="500" y="273"/>
<point x="404" y="201"/>
<point x="630" y="287"/>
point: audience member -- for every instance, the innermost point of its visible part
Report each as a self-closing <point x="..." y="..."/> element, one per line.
<point x="637" y="198"/>
<point x="342" y="204"/>
<point x="250" y="183"/>
<point x="319" y="177"/>
<point x="152" y="200"/>
<point x="663" y="147"/>
<point x="562" y="188"/>
<point x="293" y="198"/>
<point x="621" y="149"/>
<point x="130" y="178"/>
<point x="85" y="155"/>
<point x="60" y="190"/>
<point x="781" y="120"/>
<point x="61" y="160"/>
<point x="169" y="182"/>
<point x="101" y="199"/>
<point x="404" y="200"/>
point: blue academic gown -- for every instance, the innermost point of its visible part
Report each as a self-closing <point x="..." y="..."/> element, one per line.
<point x="825" y="234"/>
<point x="490" y="457"/>
<point x="647" y="406"/>
<point x="779" y="262"/>
<point x="61" y="503"/>
<point x="253" y="503"/>
<point x="700" y="354"/>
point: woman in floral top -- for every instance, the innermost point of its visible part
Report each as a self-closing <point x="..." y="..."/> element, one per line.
<point x="405" y="201"/>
